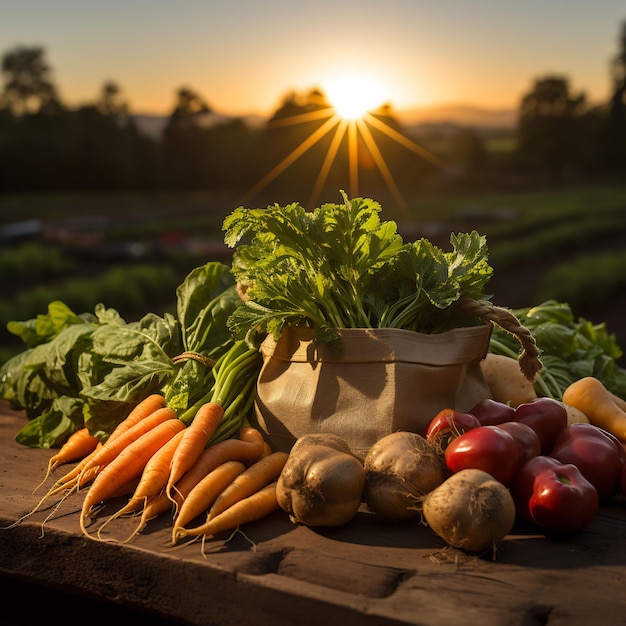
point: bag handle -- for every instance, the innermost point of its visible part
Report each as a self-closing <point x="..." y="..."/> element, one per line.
<point x="529" y="361"/>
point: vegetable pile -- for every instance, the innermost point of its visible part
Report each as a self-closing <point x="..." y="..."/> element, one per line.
<point x="158" y="412"/>
<point x="557" y="472"/>
<point x="147" y="409"/>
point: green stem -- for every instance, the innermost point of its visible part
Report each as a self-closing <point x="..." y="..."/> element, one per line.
<point x="497" y="347"/>
<point x="236" y="414"/>
<point x="235" y="373"/>
<point x="226" y="378"/>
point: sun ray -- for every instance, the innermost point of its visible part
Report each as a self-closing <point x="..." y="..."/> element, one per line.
<point x="380" y="162"/>
<point x="402" y="140"/>
<point x="353" y="158"/>
<point x="352" y="125"/>
<point x="333" y="149"/>
<point x="294" y="155"/>
<point x="301" y="118"/>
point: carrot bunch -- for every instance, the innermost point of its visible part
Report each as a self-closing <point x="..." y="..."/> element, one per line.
<point x="232" y="494"/>
<point x="205" y="459"/>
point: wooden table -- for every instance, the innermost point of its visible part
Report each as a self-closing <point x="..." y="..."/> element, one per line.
<point x="365" y="573"/>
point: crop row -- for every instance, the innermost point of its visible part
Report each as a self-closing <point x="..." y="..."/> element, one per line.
<point x="589" y="278"/>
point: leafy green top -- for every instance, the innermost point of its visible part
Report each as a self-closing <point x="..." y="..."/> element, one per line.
<point x="340" y="266"/>
<point x="571" y="348"/>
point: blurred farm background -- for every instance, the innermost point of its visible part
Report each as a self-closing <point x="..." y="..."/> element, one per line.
<point x="99" y="203"/>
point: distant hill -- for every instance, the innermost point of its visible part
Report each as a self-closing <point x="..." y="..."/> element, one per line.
<point x="453" y="115"/>
<point x="460" y="115"/>
<point x="154" y="125"/>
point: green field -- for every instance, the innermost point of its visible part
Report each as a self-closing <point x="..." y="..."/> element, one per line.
<point x="131" y="251"/>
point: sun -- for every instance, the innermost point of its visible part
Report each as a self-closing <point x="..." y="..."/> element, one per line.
<point x="350" y="111"/>
<point x="354" y="95"/>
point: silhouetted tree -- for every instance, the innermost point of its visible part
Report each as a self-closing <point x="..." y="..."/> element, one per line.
<point x="111" y="101"/>
<point x="189" y="109"/>
<point x="295" y="104"/>
<point x="184" y="140"/>
<point x="549" y="125"/>
<point x="28" y="87"/>
<point x="290" y="132"/>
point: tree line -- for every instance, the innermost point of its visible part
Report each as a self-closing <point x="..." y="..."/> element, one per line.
<point x="45" y="145"/>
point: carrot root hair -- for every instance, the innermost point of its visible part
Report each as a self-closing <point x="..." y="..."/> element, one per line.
<point x="250" y="509"/>
<point x="79" y="445"/>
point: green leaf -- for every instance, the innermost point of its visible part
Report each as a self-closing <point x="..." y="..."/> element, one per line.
<point x="340" y="266"/>
<point x="45" y="327"/>
<point x="52" y="428"/>
<point x="205" y="300"/>
<point x="570" y="348"/>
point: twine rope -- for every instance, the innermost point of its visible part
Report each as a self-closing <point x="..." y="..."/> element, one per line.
<point x="529" y="361"/>
<point x="189" y="355"/>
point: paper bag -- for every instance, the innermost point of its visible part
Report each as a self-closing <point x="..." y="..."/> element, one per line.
<point x="375" y="382"/>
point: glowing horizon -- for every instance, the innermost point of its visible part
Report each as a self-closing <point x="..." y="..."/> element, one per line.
<point x="241" y="61"/>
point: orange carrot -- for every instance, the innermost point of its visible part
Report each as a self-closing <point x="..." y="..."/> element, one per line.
<point x="197" y="435"/>
<point x="112" y="449"/>
<point x="153" y="477"/>
<point x="128" y="464"/>
<point x="205" y="492"/>
<point x="248" y="448"/>
<point x="126" y="489"/>
<point x="258" y="475"/>
<point x="146" y="407"/>
<point x="250" y="509"/>
<point x="87" y="469"/>
<point x="79" y="444"/>
<point x="141" y="411"/>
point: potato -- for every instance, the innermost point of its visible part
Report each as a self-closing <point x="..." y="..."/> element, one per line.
<point x="505" y="380"/>
<point x="574" y="415"/>
<point x="471" y="510"/>
<point x="400" y="469"/>
<point x="320" y="485"/>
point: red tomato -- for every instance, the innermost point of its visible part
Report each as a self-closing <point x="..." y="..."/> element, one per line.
<point x="525" y="436"/>
<point x="523" y="484"/>
<point x="449" y="424"/>
<point x="597" y="454"/>
<point x="547" y="417"/>
<point x="563" y="499"/>
<point x="488" y="448"/>
<point x="490" y="412"/>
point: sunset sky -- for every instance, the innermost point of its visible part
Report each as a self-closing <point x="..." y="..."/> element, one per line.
<point x="243" y="56"/>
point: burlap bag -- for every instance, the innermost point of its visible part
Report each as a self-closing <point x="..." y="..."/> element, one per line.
<point x="377" y="381"/>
